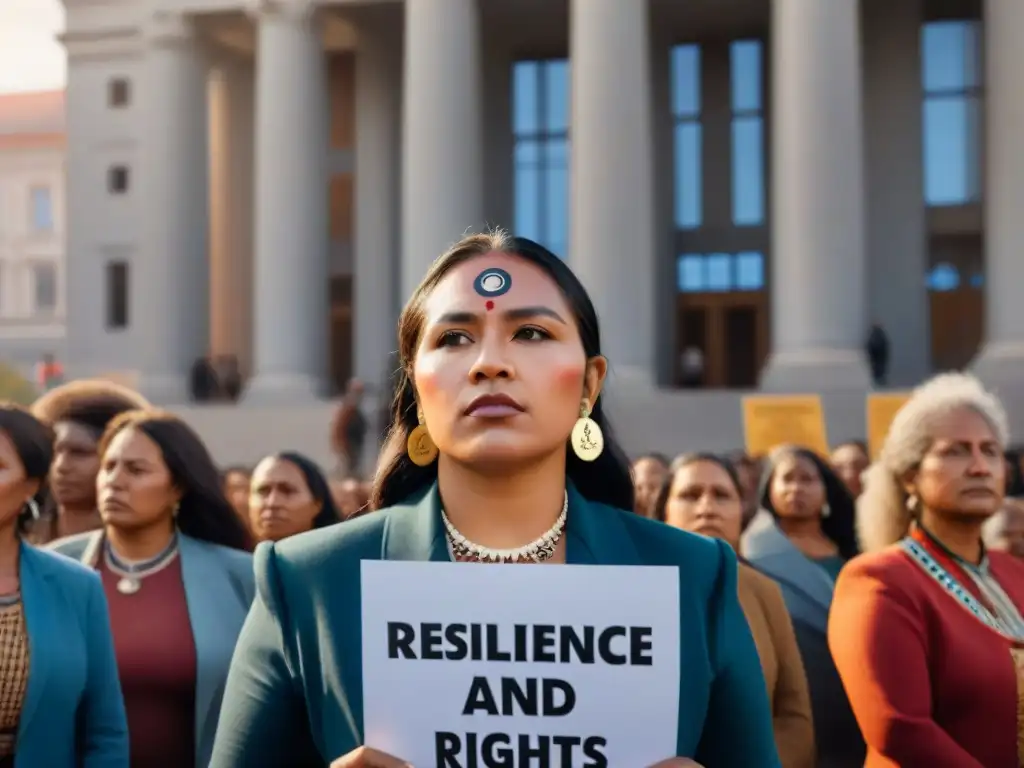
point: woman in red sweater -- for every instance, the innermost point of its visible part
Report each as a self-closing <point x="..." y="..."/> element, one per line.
<point x="926" y="627"/>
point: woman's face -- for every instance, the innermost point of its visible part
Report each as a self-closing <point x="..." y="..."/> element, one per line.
<point x="648" y="477"/>
<point x="236" y="488"/>
<point x="15" y="488"/>
<point x="963" y="472"/>
<point x="501" y="377"/>
<point x="1010" y="534"/>
<point x="349" y="496"/>
<point x="134" y="487"/>
<point x="703" y="499"/>
<point x="749" y="473"/>
<point x="76" y="463"/>
<point x="849" y="462"/>
<point x="280" y="502"/>
<point x="797" y="490"/>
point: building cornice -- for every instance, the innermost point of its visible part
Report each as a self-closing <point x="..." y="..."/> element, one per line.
<point x="166" y="27"/>
<point x="293" y="9"/>
<point x="101" y="43"/>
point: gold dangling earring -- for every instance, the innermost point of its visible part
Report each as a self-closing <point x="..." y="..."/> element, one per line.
<point x="912" y="503"/>
<point x="420" y="446"/>
<point x="587" y="439"/>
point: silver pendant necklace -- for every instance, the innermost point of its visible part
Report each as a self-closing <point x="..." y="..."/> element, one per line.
<point x="132" y="573"/>
<point x="537" y="551"/>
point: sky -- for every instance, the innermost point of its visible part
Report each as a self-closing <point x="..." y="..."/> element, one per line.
<point x="31" y="59"/>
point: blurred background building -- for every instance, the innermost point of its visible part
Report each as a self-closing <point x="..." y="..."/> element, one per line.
<point x="760" y="180"/>
<point x="32" y="287"/>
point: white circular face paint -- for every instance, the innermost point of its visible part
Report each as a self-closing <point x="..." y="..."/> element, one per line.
<point x="492" y="282"/>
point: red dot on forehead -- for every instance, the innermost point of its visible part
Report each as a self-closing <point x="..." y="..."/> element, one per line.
<point x="489" y="305"/>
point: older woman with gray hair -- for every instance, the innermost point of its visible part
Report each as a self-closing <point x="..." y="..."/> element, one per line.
<point x="926" y="627"/>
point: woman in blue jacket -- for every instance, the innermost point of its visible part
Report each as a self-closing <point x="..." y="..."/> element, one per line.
<point x="495" y="455"/>
<point x="60" y="700"/>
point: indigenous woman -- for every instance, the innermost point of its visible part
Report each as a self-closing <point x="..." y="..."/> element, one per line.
<point x="235" y="482"/>
<point x="289" y="495"/>
<point x="60" y="701"/>
<point x="926" y="627"/>
<point x="849" y="460"/>
<point x="802" y="544"/>
<point x="501" y="357"/>
<point x="78" y="412"/>
<point x="173" y="560"/>
<point x="702" y="494"/>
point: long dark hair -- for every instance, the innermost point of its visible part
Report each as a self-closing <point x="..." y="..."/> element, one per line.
<point x="33" y="442"/>
<point x="684" y="461"/>
<point x="204" y="512"/>
<point x="606" y="480"/>
<point x="840" y="525"/>
<point x="317" y="484"/>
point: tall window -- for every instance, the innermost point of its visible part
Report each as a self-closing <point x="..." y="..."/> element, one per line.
<point x="117" y="179"/>
<point x="117" y="295"/>
<point x="42" y="209"/>
<point x="951" y="70"/>
<point x="686" y="103"/>
<point x="118" y="92"/>
<point x="44" y="278"/>
<point x="745" y="58"/>
<point x="540" y="123"/>
<point x="720" y="272"/>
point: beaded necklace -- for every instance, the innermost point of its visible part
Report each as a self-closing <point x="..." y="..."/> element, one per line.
<point x="1001" y="615"/>
<point x="463" y="550"/>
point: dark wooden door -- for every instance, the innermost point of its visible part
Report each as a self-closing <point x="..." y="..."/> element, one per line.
<point x="741" y="358"/>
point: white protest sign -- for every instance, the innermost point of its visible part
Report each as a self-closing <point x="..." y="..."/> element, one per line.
<point x="468" y="665"/>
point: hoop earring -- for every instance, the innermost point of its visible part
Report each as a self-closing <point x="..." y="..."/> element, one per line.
<point x="33" y="508"/>
<point x="420" y="446"/>
<point x="587" y="439"/>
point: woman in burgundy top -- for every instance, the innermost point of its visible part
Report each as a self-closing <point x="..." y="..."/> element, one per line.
<point x="926" y="627"/>
<point x="174" y="561"/>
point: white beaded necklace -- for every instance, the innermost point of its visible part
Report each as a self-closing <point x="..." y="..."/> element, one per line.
<point x="537" y="551"/>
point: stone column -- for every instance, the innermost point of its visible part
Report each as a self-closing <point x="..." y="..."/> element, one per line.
<point x="819" y="268"/>
<point x="231" y="210"/>
<point x="377" y="199"/>
<point x="171" y="297"/>
<point x="291" y="264"/>
<point x="612" y="235"/>
<point x="1001" y="362"/>
<point x="897" y="229"/>
<point x="442" y="139"/>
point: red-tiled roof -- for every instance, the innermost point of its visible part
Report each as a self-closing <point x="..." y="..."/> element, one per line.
<point x="32" y="114"/>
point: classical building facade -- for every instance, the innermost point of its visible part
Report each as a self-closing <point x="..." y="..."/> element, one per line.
<point x="761" y="179"/>
<point x="32" y="227"/>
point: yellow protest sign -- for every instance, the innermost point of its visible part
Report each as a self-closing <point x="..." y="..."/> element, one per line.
<point x="880" y="410"/>
<point x="128" y="379"/>
<point x="773" y="420"/>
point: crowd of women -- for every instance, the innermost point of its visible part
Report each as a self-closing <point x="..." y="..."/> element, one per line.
<point x="835" y="612"/>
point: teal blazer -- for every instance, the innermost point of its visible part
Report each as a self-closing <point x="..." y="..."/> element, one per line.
<point x="219" y="589"/>
<point x="294" y="694"/>
<point x="73" y="713"/>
